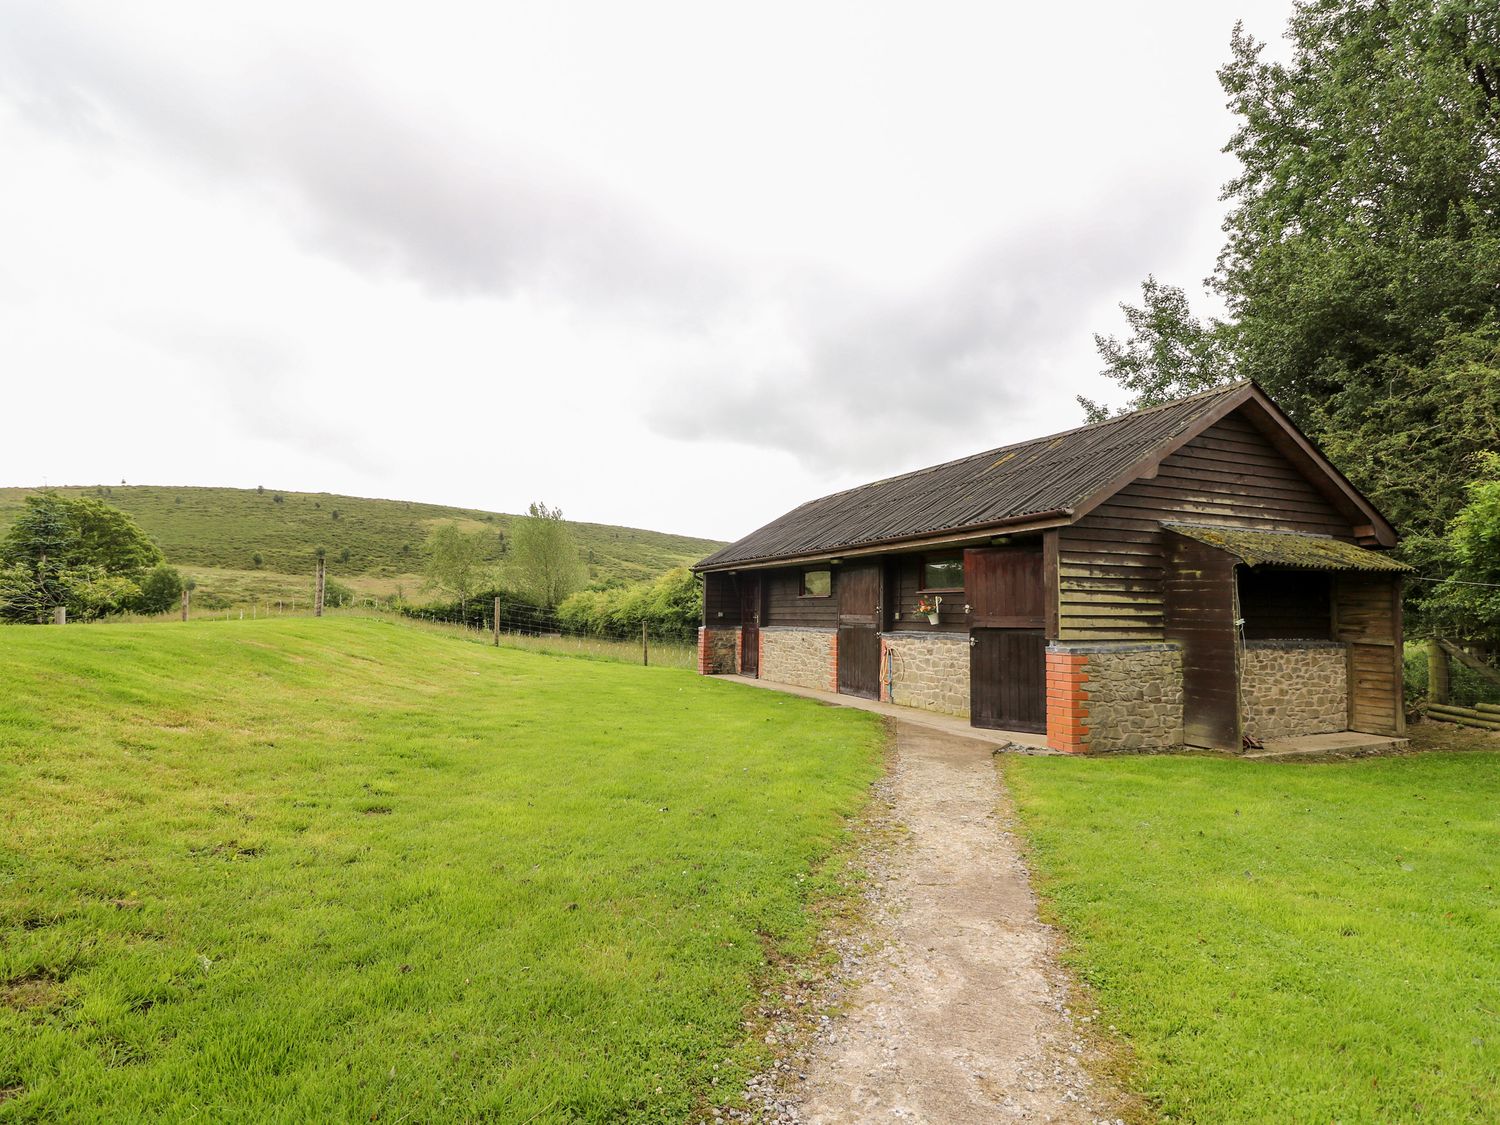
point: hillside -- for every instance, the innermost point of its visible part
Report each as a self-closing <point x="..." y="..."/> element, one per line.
<point x="374" y="546"/>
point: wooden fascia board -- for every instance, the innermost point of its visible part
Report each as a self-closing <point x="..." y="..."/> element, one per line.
<point x="1148" y="464"/>
<point x="1328" y="479"/>
<point x="951" y="537"/>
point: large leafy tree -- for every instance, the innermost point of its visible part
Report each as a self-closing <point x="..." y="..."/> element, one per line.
<point x="79" y="554"/>
<point x="1361" y="267"/>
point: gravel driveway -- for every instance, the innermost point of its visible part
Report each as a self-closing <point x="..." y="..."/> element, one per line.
<point x="961" y="1013"/>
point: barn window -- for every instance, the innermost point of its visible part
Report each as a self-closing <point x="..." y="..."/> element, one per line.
<point x="817" y="583"/>
<point x="943" y="573"/>
<point x="1286" y="604"/>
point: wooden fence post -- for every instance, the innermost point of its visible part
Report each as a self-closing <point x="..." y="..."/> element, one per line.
<point x="318" y="597"/>
<point x="645" y="647"/>
<point x="60" y="615"/>
<point x="497" y="622"/>
<point x="186" y="599"/>
<point x="1437" y="672"/>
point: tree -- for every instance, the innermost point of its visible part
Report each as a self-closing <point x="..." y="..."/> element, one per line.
<point x="1169" y="353"/>
<point x="543" y="559"/>
<point x="76" y="553"/>
<point x="1466" y="604"/>
<point x="1361" y="267"/>
<point x="456" y="562"/>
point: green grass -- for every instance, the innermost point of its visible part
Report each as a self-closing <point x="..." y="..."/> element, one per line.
<point x="224" y="528"/>
<point x="347" y="869"/>
<point x="1283" y="943"/>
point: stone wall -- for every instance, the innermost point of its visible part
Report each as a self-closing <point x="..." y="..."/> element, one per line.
<point x="800" y="657"/>
<point x="927" y="670"/>
<point x="1292" y="688"/>
<point x="1104" y="698"/>
<point x="718" y="651"/>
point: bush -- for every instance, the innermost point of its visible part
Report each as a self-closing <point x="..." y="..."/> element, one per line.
<point x="161" y="589"/>
<point x="336" y="595"/>
<point x="670" y="605"/>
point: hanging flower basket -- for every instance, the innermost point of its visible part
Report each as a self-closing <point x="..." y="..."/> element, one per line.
<point x="930" y="607"/>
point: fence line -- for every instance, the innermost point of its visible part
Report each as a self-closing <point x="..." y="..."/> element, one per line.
<point x="522" y="627"/>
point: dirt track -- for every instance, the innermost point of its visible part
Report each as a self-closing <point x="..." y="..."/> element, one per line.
<point x="961" y="1015"/>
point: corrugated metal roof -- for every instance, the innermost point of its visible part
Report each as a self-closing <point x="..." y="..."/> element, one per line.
<point x="1031" y="478"/>
<point x="1286" y="548"/>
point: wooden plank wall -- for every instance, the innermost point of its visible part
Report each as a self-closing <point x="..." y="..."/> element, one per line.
<point x="1110" y="562"/>
<point x="785" y="604"/>
<point x="1367" y="616"/>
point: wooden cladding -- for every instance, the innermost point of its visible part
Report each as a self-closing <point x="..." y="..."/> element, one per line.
<point x="1111" y="562"/>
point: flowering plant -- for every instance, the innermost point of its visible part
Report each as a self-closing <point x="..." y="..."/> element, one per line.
<point x="927" y="604"/>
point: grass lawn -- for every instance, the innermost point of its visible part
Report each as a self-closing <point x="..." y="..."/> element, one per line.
<point x="345" y="869"/>
<point x="1308" y="943"/>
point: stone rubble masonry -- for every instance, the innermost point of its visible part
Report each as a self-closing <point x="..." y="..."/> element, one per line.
<point x="929" y="671"/>
<point x="718" y="651"/>
<point x="801" y="657"/>
<point x="1292" y="688"/>
<point x="1105" y="698"/>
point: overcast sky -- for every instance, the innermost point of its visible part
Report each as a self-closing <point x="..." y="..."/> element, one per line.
<point x="679" y="266"/>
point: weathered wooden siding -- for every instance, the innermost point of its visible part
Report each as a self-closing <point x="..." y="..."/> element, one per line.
<point x="1367" y="616"/>
<point x="1110" y="562"/>
<point x="785" y="604"/>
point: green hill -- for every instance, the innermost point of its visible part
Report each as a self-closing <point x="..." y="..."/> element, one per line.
<point x="214" y="534"/>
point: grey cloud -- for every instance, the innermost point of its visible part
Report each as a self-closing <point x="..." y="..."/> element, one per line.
<point x="866" y="380"/>
<point x="878" y="382"/>
<point x="363" y="179"/>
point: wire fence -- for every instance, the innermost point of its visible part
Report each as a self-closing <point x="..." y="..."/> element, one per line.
<point x="522" y="627"/>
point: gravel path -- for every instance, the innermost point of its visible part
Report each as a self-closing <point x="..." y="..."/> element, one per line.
<point x="960" y="1013"/>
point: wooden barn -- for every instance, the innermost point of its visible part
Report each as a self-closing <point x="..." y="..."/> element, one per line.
<point x="1194" y="574"/>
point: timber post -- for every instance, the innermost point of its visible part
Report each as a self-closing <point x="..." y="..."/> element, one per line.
<point x="497" y="622"/>
<point x="187" y="597"/>
<point x="322" y="575"/>
<point x="645" y="647"/>
<point x="60" y="615"/>
<point x="1437" y="671"/>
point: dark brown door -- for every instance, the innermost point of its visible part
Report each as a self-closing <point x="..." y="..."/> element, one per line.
<point x="1007" y="595"/>
<point x="859" y="635"/>
<point x="750" y="626"/>
<point x="1199" y="612"/>
<point x="1008" y="679"/>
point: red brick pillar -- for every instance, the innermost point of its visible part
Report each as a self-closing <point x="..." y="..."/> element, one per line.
<point x="1067" y="701"/>
<point x="705" y="663"/>
<point x="884" y="694"/>
<point x="833" y="664"/>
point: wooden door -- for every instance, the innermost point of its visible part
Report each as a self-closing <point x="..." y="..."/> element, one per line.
<point x="1008" y="679"/>
<point x="750" y="626"/>
<point x="859" y="634"/>
<point x="1367" y="617"/>
<point x="1200" y="610"/>
<point x="1006" y="589"/>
